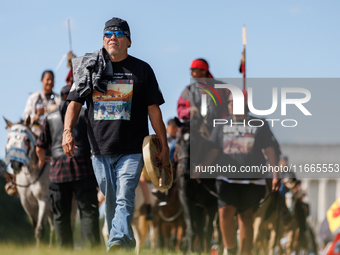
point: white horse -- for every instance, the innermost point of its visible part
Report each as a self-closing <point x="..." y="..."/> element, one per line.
<point x="32" y="183"/>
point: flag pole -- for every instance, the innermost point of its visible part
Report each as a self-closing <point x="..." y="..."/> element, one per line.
<point x="243" y="61"/>
<point x="69" y="34"/>
<point x="70" y="56"/>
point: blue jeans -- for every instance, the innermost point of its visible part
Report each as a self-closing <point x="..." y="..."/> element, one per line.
<point x="118" y="176"/>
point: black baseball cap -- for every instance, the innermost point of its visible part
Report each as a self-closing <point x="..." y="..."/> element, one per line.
<point x="117" y="24"/>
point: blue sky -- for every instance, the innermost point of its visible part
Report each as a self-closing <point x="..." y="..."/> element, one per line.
<point x="286" y="39"/>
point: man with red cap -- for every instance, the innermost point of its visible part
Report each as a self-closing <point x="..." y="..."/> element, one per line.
<point x="190" y="99"/>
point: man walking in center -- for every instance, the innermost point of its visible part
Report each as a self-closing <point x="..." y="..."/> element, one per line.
<point x="120" y="92"/>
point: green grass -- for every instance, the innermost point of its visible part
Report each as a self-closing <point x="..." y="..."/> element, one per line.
<point x="12" y="249"/>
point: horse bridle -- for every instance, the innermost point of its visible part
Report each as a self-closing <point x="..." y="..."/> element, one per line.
<point x="32" y="139"/>
<point x="31" y="183"/>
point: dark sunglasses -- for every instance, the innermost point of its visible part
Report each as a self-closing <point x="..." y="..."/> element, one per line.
<point x="118" y="34"/>
<point x="195" y="69"/>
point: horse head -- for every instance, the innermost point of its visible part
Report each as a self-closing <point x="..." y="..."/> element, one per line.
<point x="20" y="147"/>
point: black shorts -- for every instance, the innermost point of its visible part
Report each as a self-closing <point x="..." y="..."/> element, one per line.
<point x="242" y="196"/>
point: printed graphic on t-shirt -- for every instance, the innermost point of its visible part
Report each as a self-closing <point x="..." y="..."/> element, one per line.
<point x="52" y="106"/>
<point x="238" y="139"/>
<point x="42" y="110"/>
<point x="115" y="104"/>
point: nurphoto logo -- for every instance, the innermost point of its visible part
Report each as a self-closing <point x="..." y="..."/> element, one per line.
<point x="239" y="105"/>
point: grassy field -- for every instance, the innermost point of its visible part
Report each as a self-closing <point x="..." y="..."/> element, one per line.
<point x="12" y="249"/>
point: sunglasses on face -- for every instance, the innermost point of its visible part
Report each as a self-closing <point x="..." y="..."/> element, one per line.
<point x="196" y="69"/>
<point x="118" y="34"/>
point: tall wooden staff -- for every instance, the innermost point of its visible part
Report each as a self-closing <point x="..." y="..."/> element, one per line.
<point x="243" y="59"/>
<point x="70" y="56"/>
<point x="69" y="33"/>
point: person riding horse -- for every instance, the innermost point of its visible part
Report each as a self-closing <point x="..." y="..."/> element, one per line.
<point x="189" y="103"/>
<point x="193" y="192"/>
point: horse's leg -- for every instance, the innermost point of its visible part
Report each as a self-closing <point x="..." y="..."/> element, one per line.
<point x="40" y="191"/>
<point x="166" y="235"/>
<point x="271" y="243"/>
<point x="50" y="222"/>
<point x="209" y="226"/>
<point x="29" y="204"/>
<point x="179" y="236"/>
<point x="153" y="237"/>
<point x="42" y="215"/>
<point x="143" y="227"/>
<point x="187" y="204"/>
<point x="276" y="230"/>
<point x="218" y="234"/>
<point x="290" y="237"/>
<point x="256" y="237"/>
<point x="136" y="234"/>
<point x="199" y="219"/>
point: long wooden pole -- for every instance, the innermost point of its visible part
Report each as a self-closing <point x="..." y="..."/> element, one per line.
<point x="69" y="34"/>
<point x="244" y="42"/>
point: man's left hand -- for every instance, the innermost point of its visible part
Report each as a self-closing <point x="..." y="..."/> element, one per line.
<point x="275" y="184"/>
<point x="43" y="161"/>
<point x="164" y="156"/>
<point x="8" y="177"/>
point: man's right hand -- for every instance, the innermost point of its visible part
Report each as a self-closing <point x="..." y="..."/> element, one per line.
<point x="68" y="143"/>
<point x="35" y="118"/>
<point x="194" y="112"/>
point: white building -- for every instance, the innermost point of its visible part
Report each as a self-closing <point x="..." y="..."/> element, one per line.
<point x="322" y="188"/>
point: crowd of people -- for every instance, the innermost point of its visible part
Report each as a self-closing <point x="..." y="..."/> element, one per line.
<point x="84" y="154"/>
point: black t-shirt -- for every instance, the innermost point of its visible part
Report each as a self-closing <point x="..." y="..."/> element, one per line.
<point x="243" y="144"/>
<point x="118" y="119"/>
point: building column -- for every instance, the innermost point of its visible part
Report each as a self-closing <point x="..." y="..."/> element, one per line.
<point x="337" y="189"/>
<point x="305" y="185"/>
<point x="322" y="193"/>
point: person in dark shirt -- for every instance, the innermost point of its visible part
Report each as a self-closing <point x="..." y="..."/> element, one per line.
<point x="241" y="145"/>
<point x="118" y="108"/>
<point x="70" y="176"/>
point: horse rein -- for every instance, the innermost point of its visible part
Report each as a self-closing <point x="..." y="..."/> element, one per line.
<point x="217" y="196"/>
<point x="172" y="218"/>
<point x="39" y="175"/>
